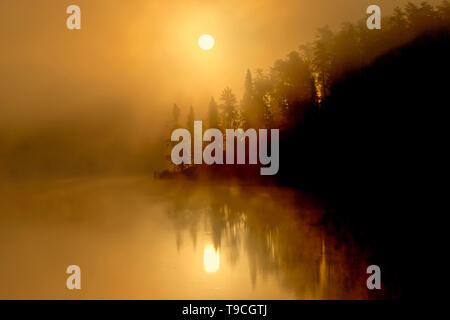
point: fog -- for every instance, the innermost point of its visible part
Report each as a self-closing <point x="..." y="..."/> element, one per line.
<point x="97" y="100"/>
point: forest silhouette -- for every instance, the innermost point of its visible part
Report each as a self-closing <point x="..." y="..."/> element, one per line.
<point x="331" y="97"/>
<point x="351" y="107"/>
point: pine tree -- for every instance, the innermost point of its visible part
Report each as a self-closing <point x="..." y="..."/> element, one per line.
<point x="247" y="102"/>
<point x="323" y="57"/>
<point x="229" y="110"/>
<point x="190" y="120"/>
<point x="213" y="114"/>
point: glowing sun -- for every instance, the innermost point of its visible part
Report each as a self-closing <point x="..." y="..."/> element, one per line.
<point x="206" y="42"/>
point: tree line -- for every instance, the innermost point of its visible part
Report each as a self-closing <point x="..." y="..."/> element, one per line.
<point x="282" y="96"/>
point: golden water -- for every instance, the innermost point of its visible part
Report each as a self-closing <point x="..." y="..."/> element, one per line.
<point x="138" y="238"/>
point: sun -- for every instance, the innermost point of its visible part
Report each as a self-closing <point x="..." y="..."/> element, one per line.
<point x="206" y="42"/>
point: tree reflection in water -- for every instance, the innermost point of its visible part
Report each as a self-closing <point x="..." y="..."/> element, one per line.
<point x="280" y="232"/>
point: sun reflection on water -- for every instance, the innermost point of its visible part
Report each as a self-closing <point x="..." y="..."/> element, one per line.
<point x="211" y="258"/>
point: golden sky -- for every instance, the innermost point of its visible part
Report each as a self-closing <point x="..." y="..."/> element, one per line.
<point x="144" y="53"/>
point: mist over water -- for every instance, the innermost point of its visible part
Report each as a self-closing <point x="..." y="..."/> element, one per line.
<point x="138" y="238"/>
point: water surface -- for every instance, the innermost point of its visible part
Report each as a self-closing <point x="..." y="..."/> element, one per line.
<point x="138" y="238"/>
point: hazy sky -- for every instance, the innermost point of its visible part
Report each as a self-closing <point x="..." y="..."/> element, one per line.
<point x="144" y="53"/>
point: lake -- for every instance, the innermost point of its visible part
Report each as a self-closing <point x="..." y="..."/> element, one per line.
<point x="140" y="238"/>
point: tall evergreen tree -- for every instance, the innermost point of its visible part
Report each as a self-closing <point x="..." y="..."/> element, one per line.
<point x="261" y="104"/>
<point x="323" y="57"/>
<point x="213" y="114"/>
<point x="229" y="108"/>
<point x="247" y="102"/>
<point x="190" y="120"/>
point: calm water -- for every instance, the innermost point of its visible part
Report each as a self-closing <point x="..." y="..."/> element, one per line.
<point x="137" y="238"/>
